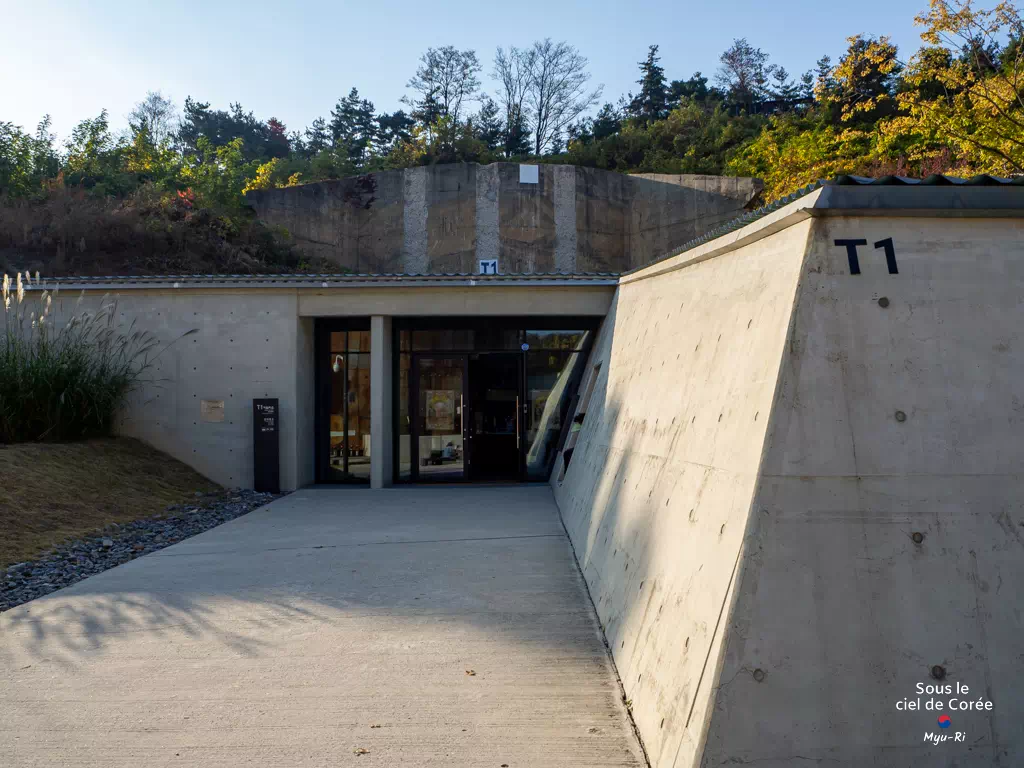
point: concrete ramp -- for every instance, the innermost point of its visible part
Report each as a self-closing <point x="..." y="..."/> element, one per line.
<point x="797" y="492"/>
<point x="443" y="626"/>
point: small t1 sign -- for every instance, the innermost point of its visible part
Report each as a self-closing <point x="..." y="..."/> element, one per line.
<point x="488" y="266"/>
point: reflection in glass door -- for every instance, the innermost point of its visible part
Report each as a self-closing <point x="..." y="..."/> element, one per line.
<point x="349" y="392"/>
<point x="439" y="449"/>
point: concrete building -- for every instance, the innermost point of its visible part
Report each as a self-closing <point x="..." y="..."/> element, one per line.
<point x="795" y="494"/>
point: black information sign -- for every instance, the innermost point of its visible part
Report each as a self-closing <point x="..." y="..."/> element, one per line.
<point x="266" y="445"/>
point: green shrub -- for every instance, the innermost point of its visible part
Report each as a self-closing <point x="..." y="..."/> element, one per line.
<point x="65" y="376"/>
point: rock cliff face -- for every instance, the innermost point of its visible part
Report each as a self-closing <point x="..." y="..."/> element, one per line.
<point x="546" y="218"/>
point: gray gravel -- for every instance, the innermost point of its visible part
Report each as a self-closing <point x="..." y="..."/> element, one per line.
<point x="117" y="544"/>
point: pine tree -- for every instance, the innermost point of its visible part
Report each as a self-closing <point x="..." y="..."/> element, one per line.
<point x="517" y="136"/>
<point x="783" y="89"/>
<point x="354" y="126"/>
<point x="556" y="146"/>
<point x="487" y="124"/>
<point x="652" y="101"/>
<point x="318" y="137"/>
<point x="607" y="122"/>
<point x="392" y="130"/>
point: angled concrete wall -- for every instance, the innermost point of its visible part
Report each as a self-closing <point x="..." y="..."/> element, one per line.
<point x="657" y="496"/>
<point x="766" y="437"/>
<point x="445" y="218"/>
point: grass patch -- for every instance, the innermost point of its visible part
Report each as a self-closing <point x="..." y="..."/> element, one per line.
<point x="56" y="491"/>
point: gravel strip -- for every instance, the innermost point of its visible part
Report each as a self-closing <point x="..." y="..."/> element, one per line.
<point x="119" y="543"/>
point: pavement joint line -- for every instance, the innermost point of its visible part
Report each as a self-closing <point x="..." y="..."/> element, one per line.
<point x="164" y="553"/>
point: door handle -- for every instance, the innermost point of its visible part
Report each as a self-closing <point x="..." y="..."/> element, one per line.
<point x="517" y="421"/>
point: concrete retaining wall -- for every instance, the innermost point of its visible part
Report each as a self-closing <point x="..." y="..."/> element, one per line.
<point x="764" y="441"/>
<point x="445" y="218"/>
<point x="245" y="347"/>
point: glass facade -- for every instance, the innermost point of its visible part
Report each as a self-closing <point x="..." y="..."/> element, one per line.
<point x="509" y="387"/>
<point x="473" y="399"/>
<point x="348" y="367"/>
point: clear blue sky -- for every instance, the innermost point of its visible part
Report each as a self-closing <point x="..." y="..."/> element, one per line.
<point x="292" y="60"/>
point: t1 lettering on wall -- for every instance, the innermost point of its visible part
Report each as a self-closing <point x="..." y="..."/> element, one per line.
<point x="852" y="256"/>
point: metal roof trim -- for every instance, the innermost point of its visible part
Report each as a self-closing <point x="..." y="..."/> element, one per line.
<point x="321" y="281"/>
<point x="934" y="180"/>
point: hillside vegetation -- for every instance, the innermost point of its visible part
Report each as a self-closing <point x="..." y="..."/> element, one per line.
<point x="166" y="195"/>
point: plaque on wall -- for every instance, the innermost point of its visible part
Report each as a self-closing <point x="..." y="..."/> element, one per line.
<point x="211" y="410"/>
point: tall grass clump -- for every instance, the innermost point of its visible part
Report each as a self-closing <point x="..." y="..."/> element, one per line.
<point x="64" y="376"/>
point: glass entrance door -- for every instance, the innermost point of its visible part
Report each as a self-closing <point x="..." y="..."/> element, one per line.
<point x="439" y="450"/>
<point x="495" y="425"/>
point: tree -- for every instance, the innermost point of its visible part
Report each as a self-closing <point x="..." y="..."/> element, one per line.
<point x="792" y="152"/>
<point x="557" y="92"/>
<point x="45" y="161"/>
<point x="220" y="128"/>
<point x="783" y="89"/>
<point x="556" y="146"/>
<point x="823" y="80"/>
<point x="446" y="81"/>
<point x="318" y="137"/>
<point x="962" y="98"/>
<point x="218" y="175"/>
<point x="696" y="89"/>
<point x="488" y="126"/>
<point x="148" y="160"/>
<point x="806" y="87"/>
<point x="514" y="72"/>
<point x="158" y="113"/>
<point x="607" y="123"/>
<point x="16" y="166"/>
<point x="354" y="127"/>
<point x="863" y="83"/>
<point x="93" y="159"/>
<point x="278" y="144"/>
<point x="392" y="129"/>
<point x="651" y="103"/>
<point x="743" y="73"/>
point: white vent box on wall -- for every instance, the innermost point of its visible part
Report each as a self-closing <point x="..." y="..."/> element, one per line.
<point x="529" y="174"/>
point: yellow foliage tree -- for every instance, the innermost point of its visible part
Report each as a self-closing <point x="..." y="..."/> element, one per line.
<point x="970" y="101"/>
<point x="860" y="84"/>
<point x="270" y="175"/>
<point x="788" y="155"/>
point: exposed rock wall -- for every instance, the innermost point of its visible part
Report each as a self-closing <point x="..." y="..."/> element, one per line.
<point x="446" y="218"/>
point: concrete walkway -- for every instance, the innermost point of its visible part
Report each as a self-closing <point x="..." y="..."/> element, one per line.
<point x="332" y="621"/>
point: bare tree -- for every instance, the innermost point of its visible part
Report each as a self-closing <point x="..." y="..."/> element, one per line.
<point x="446" y="80"/>
<point x="158" y="114"/>
<point x="557" y="92"/>
<point x="514" y="72"/>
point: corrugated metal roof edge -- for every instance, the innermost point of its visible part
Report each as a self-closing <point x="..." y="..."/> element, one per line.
<point x="325" y="280"/>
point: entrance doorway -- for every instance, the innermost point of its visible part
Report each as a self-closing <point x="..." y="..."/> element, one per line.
<point x="495" y="427"/>
<point x="484" y="400"/>
<point x="466" y="417"/>
<point x="439" y="436"/>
